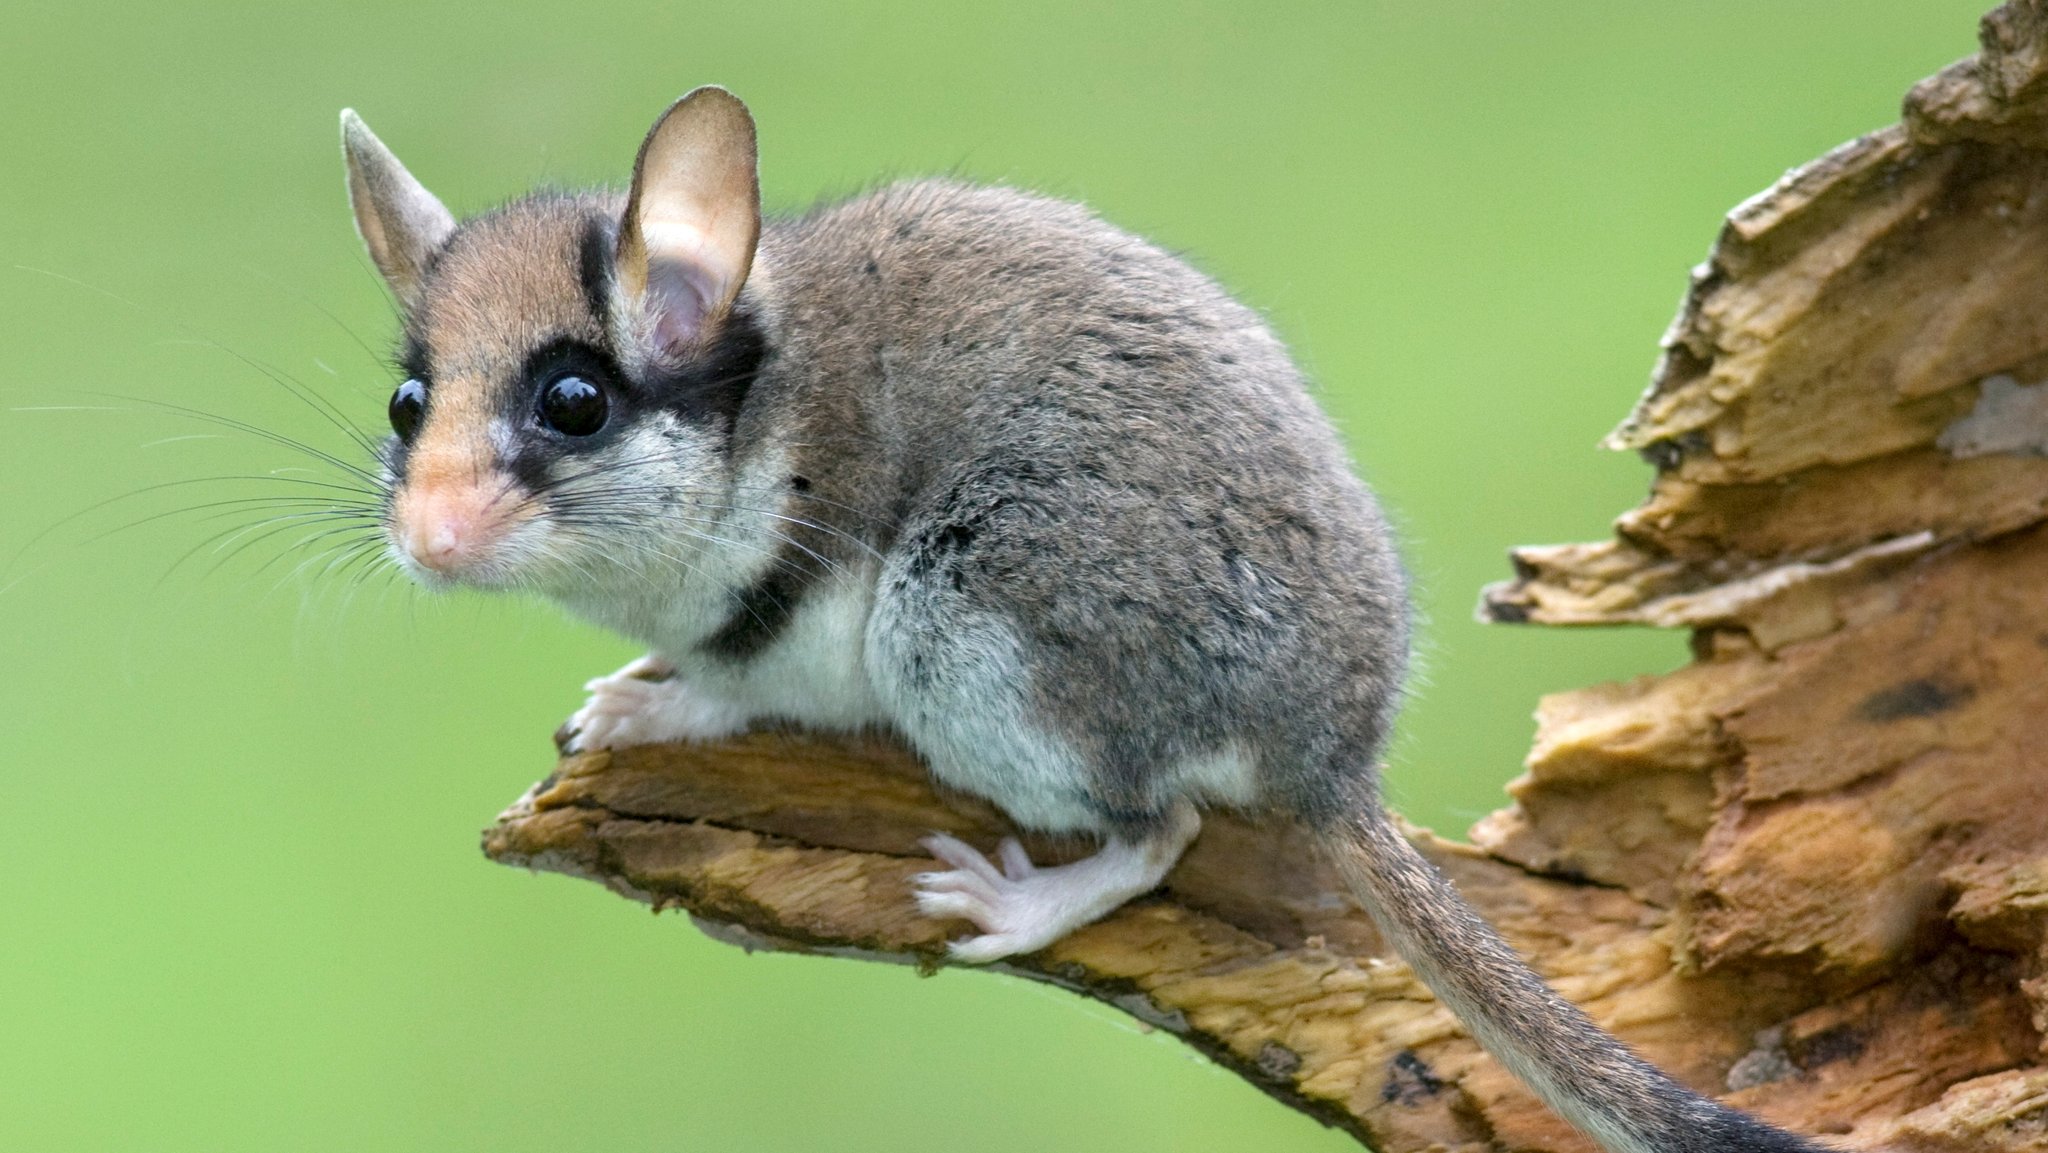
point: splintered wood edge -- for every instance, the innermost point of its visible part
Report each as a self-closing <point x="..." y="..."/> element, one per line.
<point x="1823" y="363"/>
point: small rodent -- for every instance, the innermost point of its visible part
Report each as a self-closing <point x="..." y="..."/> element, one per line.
<point x="963" y="464"/>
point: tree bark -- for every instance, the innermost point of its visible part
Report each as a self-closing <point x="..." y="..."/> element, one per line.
<point x="1807" y="873"/>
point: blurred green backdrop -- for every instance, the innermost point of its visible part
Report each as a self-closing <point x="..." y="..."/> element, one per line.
<point x="243" y="906"/>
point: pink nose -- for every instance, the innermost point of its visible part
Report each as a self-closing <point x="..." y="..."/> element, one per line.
<point x="435" y="544"/>
<point x="446" y="528"/>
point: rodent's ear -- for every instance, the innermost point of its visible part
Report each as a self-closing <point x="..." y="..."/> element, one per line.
<point x="401" y="223"/>
<point x="693" y="219"/>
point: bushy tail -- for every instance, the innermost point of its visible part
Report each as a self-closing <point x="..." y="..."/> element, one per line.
<point x="1587" y="1076"/>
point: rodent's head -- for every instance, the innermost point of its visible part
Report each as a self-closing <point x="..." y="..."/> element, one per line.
<point x="574" y="363"/>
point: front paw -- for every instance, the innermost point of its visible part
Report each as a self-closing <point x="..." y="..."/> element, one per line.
<point x="645" y="703"/>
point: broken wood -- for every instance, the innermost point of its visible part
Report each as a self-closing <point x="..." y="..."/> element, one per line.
<point x="1807" y="873"/>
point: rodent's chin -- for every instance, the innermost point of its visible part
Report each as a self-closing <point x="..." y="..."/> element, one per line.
<point x="486" y="576"/>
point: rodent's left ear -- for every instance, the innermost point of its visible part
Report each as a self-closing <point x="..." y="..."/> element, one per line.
<point x="401" y="223"/>
<point x="693" y="219"/>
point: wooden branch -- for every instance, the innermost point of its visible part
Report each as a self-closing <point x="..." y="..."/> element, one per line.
<point x="1809" y="872"/>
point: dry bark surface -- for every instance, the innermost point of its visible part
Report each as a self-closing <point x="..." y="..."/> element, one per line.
<point x="1807" y="873"/>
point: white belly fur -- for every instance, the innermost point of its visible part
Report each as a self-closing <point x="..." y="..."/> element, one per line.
<point x="813" y="674"/>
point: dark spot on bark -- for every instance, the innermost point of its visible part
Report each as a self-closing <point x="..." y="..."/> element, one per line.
<point x="1662" y="455"/>
<point x="1409" y="1080"/>
<point x="1923" y="697"/>
<point x="1841" y="1043"/>
<point x="1277" y="1061"/>
<point x="1666" y="455"/>
<point x="1507" y="612"/>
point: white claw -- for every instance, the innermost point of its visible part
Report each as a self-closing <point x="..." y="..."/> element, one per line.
<point x="936" y="904"/>
<point x="989" y="947"/>
<point x="962" y="856"/>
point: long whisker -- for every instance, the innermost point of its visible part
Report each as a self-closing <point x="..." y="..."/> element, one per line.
<point x="688" y="524"/>
<point x="283" y="380"/>
<point x="232" y="507"/>
<point x="671" y="455"/>
<point x="643" y="548"/>
<point x="343" y="554"/>
<point x="636" y="492"/>
<point x="347" y="531"/>
<point x="220" y="541"/>
<point x="257" y="431"/>
<point x="382" y="361"/>
<point x="636" y="516"/>
<point x="96" y="506"/>
<point x="629" y="508"/>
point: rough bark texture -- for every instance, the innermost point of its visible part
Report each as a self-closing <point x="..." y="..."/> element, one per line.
<point x="1808" y="872"/>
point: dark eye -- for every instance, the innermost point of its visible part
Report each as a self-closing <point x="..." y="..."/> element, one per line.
<point x="408" y="408"/>
<point x="573" y="405"/>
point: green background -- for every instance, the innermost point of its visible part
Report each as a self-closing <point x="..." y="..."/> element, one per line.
<point x="241" y="905"/>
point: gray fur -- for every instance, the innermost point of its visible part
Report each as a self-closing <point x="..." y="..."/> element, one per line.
<point x="1045" y="501"/>
<point x="1069" y="436"/>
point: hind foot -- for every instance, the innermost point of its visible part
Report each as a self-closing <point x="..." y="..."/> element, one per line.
<point x="1021" y="908"/>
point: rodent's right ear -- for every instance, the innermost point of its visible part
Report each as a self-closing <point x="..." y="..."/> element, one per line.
<point x="401" y="223"/>
<point x="692" y="221"/>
